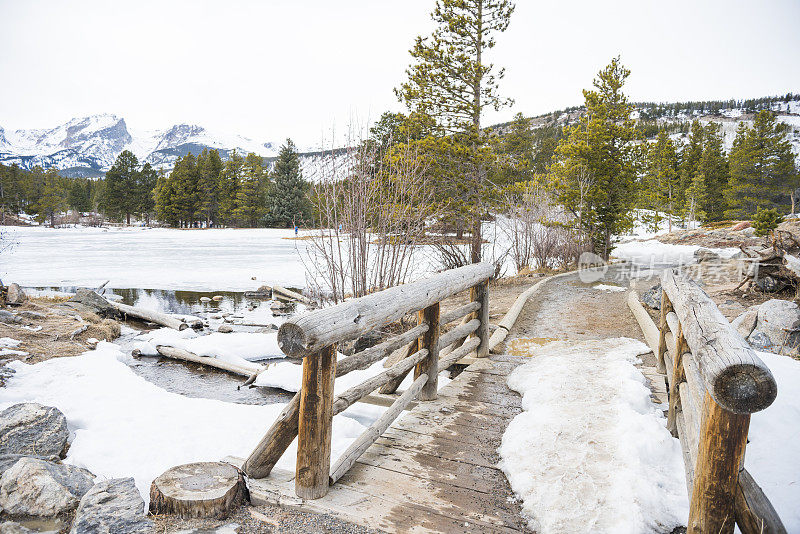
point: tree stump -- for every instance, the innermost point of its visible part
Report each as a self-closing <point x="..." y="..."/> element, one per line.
<point x="202" y="489"/>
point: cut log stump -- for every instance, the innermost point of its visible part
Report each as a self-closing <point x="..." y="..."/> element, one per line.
<point x="202" y="489"/>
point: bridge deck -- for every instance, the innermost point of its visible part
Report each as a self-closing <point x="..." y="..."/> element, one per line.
<point x="434" y="470"/>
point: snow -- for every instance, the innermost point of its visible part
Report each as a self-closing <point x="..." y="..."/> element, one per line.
<point x="590" y="452"/>
<point x="230" y="347"/>
<point x="773" y="450"/>
<point x="122" y="425"/>
<point x="653" y="252"/>
<point x="9" y="342"/>
<point x="607" y="287"/>
<point x="11" y="352"/>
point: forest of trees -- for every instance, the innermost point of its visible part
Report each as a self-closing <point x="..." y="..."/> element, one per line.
<point x="200" y="191"/>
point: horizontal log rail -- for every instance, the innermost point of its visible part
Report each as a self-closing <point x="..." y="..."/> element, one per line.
<point x="314" y="337"/>
<point x="715" y="382"/>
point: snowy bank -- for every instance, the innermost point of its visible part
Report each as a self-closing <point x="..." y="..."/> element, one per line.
<point x="654" y="253"/>
<point x="122" y="425"/>
<point x="231" y="347"/>
<point x="590" y="452"/>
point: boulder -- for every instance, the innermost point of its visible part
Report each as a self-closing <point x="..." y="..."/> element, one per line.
<point x="217" y="298"/>
<point x="225" y="329"/>
<point x="776" y="326"/>
<point x="7" y="460"/>
<point x="768" y="284"/>
<point x="741" y="226"/>
<point x="15" y="295"/>
<point x="705" y="255"/>
<point x="32" y="429"/>
<point x="746" y="322"/>
<point x="205" y="299"/>
<point x="110" y="507"/>
<point x="8" y="317"/>
<point x="44" y="489"/>
<point x="652" y="297"/>
<point x="27" y="314"/>
<point x="94" y="302"/>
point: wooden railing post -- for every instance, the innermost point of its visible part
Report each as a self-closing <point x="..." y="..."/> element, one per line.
<point x="315" y="421"/>
<point x="666" y="307"/>
<point x="480" y="293"/>
<point x="430" y="341"/>
<point x="723" y="437"/>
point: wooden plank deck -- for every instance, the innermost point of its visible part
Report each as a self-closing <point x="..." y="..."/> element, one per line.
<point x="434" y="470"/>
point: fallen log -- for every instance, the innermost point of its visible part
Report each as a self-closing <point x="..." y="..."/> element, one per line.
<point x="288" y="293"/>
<point x="149" y="315"/>
<point x="185" y="355"/>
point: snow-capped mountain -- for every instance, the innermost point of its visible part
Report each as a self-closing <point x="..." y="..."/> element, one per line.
<point x="88" y="146"/>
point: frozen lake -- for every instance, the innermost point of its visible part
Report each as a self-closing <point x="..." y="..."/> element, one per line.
<point x="157" y="258"/>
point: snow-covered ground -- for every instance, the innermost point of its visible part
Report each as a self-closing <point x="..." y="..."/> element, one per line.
<point x="590" y="452"/>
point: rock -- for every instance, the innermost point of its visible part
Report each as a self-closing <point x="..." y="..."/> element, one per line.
<point x="277" y="305"/>
<point x="205" y="299"/>
<point x="10" y="527"/>
<point x="778" y="321"/>
<point x="759" y="341"/>
<point x="36" y="487"/>
<point x="27" y="314"/>
<point x="7" y="460"/>
<point x="217" y="298"/>
<point x="741" y="226"/>
<point x="652" y="297"/>
<point x="15" y="295"/>
<point x="94" y="302"/>
<point x="769" y="284"/>
<point x="5" y="374"/>
<point x="746" y="322"/>
<point x="225" y="329"/>
<point x="110" y="507"/>
<point x="705" y="255"/>
<point x="8" y="317"/>
<point x="33" y="429"/>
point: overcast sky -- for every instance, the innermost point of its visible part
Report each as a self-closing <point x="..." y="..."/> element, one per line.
<point x="269" y="69"/>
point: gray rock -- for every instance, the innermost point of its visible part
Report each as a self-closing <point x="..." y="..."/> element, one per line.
<point x="8" y="317"/>
<point x="34" y="430"/>
<point x="111" y="507"/>
<point x="778" y="321"/>
<point x="759" y="341"/>
<point x="94" y="302"/>
<point x="7" y="460"/>
<point x="205" y="299"/>
<point x="746" y="322"/>
<point x="10" y="527"/>
<point x="652" y="297"/>
<point x="705" y="255"/>
<point x="43" y="489"/>
<point x="5" y="374"/>
<point x="225" y="329"/>
<point x="27" y="314"/>
<point x="769" y="284"/>
<point x="15" y="295"/>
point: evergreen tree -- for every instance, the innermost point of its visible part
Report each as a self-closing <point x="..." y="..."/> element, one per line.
<point x="145" y="187"/>
<point x="289" y="203"/>
<point x="52" y="199"/>
<point x="596" y="162"/>
<point x="714" y="168"/>
<point x="164" y="197"/>
<point x="660" y="184"/>
<point x="515" y="151"/>
<point x="691" y="155"/>
<point x="209" y="168"/>
<point x="696" y="198"/>
<point x="230" y="181"/>
<point x="762" y="171"/>
<point x="251" y="200"/>
<point x="451" y="82"/>
<point x="120" y="197"/>
<point x="185" y="196"/>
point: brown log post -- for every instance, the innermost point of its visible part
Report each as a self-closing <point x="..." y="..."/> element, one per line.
<point x="677" y="375"/>
<point x="316" y="419"/>
<point x="666" y="307"/>
<point x="480" y="293"/>
<point x="430" y="341"/>
<point x="723" y="437"/>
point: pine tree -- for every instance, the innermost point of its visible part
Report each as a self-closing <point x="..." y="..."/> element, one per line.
<point x="714" y="168"/>
<point x="251" y="201"/>
<point x="451" y="82"/>
<point x="289" y="203"/>
<point x="230" y="181"/>
<point x="515" y="151"/>
<point x="762" y="171"/>
<point x="595" y="163"/>
<point x="52" y="199"/>
<point x="164" y="197"/>
<point x="660" y="184"/>
<point x="209" y="168"/>
<point x="145" y="186"/>
<point x="185" y="196"/>
<point x="695" y="198"/>
<point x="691" y="155"/>
<point x="121" y="186"/>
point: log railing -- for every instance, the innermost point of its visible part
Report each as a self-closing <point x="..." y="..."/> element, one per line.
<point x="314" y="337"/>
<point x="715" y="381"/>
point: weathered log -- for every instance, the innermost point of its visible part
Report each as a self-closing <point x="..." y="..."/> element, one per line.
<point x="316" y="420"/>
<point x="149" y="315"/>
<point x="288" y="293"/>
<point x="365" y="358"/>
<point x="429" y="341"/>
<point x="480" y="293"/>
<point x="754" y="513"/>
<point x="459" y="312"/>
<point x="376" y="429"/>
<point x="677" y="376"/>
<point x="348" y="397"/>
<point x="275" y="442"/>
<point x="404" y="352"/>
<point x="202" y="489"/>
<point x="468" y="346"/>
<point x="666" y="307"/>
<point x="647" y="325"/>
<point x="734" y="375"/>
<point x="181" y="354"/>
<point x="312" y="331"/>
<point x="723" y="437"/>
<point x="458" y="333"/>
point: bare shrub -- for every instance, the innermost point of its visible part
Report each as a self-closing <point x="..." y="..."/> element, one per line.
<point x="371" y="205"/>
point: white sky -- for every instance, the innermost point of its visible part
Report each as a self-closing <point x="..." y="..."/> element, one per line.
<point x="269" y="69"/>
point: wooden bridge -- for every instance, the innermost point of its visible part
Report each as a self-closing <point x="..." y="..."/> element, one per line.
<point x="435" y="469"/>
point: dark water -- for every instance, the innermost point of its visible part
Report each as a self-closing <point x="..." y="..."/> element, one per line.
<point x="242" y="312"/>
